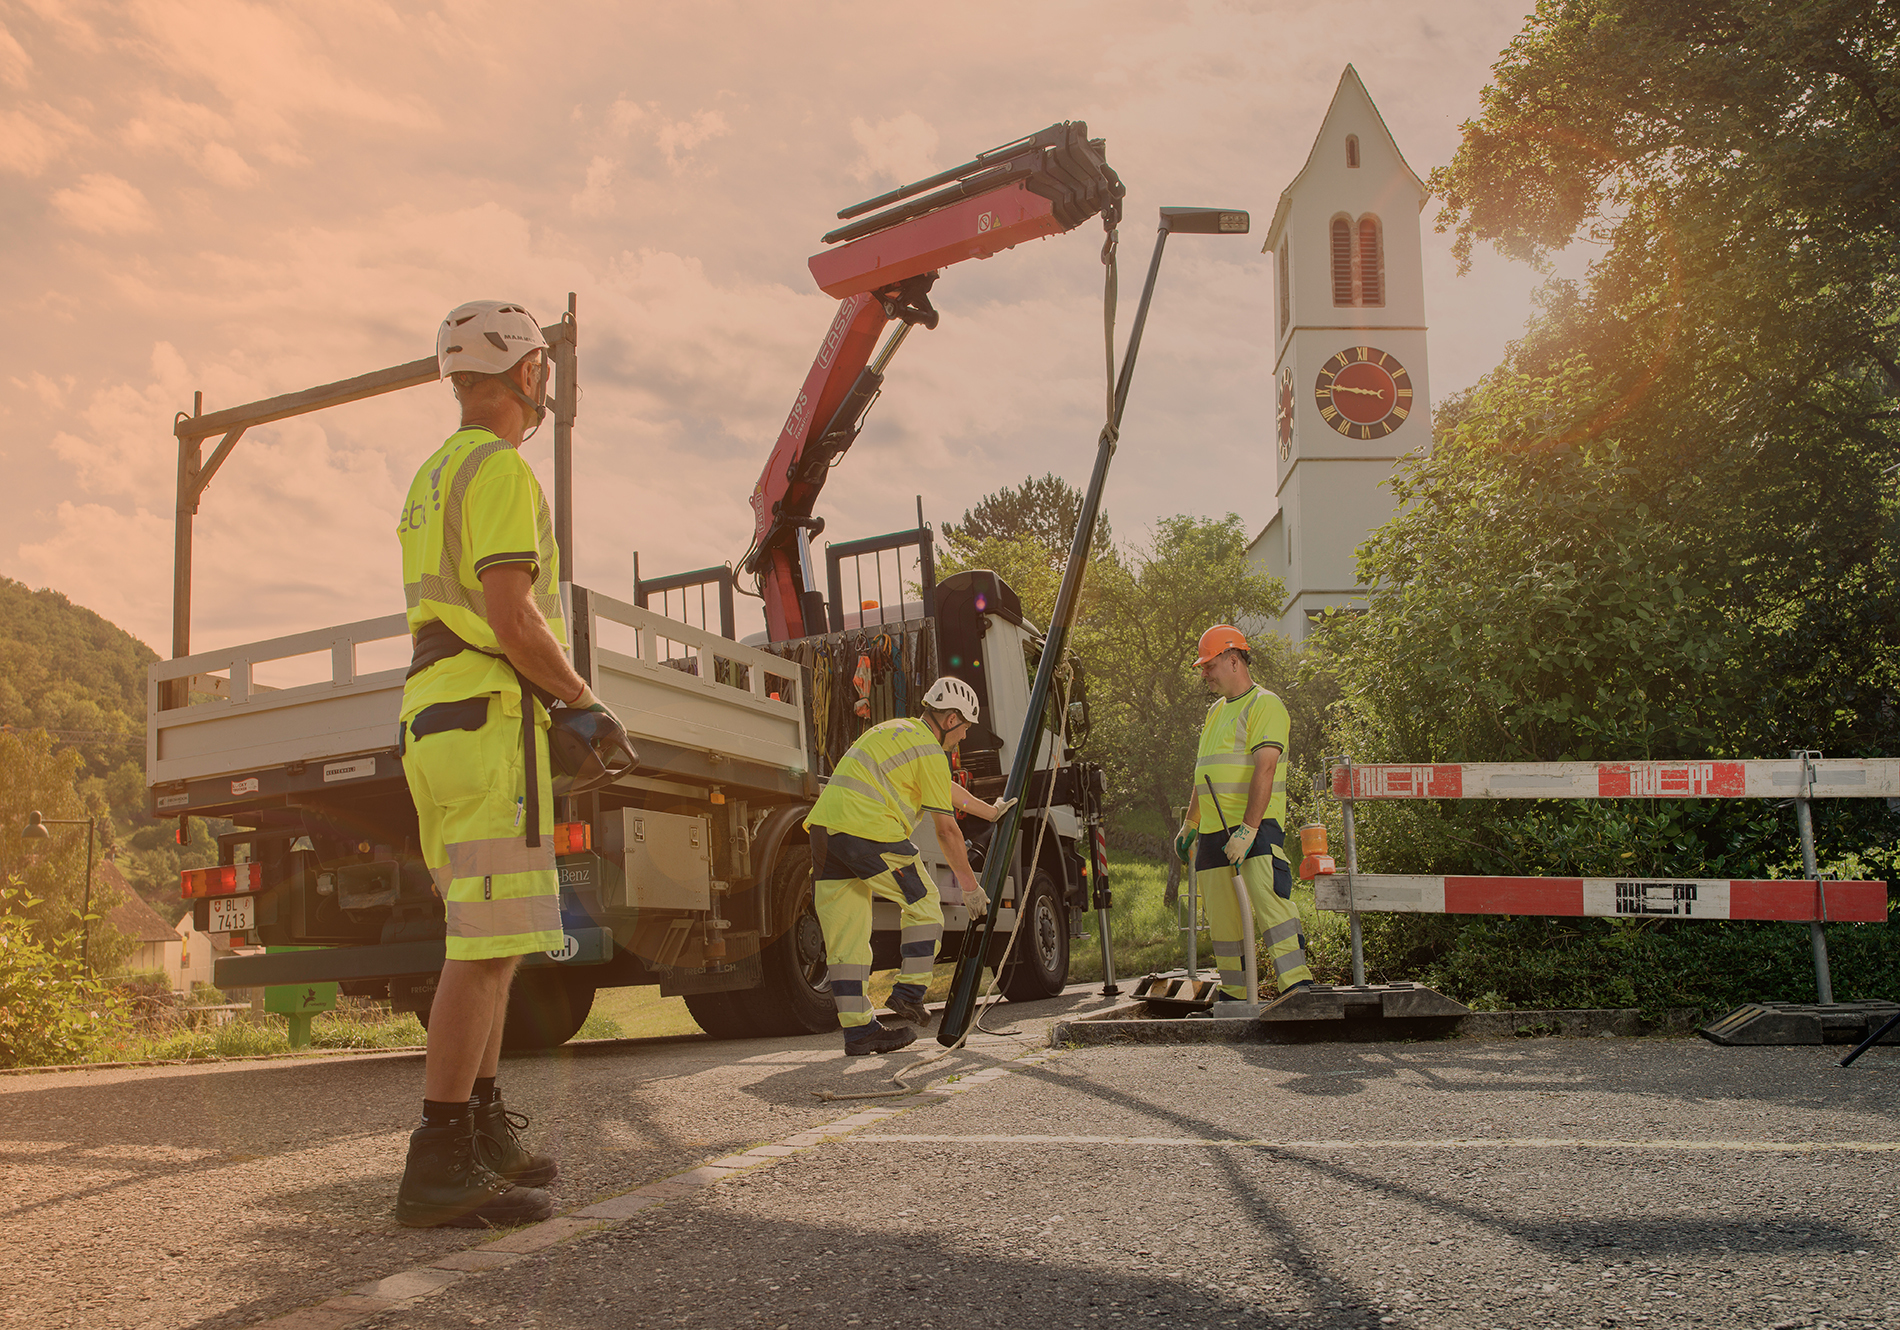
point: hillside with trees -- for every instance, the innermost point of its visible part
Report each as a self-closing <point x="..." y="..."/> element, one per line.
<point x="72" y="738"/>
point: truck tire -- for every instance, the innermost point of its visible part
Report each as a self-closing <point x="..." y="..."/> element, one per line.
<point x="546" y="1006"/>
<point x="793" y="997"/>
<point x="719" y="1016"/>
<point x="1038" y="967"/>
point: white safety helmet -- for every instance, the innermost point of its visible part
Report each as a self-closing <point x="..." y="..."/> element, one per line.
<point x="952" y="694"/>
<point x="486" y="337"/>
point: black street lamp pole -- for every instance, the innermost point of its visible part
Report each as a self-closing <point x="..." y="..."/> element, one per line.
<point x="36" y="829"/>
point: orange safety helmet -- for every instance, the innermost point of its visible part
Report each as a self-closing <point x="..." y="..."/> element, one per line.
<point x="1221" y="637"/>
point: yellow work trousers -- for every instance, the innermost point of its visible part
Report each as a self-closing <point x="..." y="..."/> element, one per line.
<point x="851" y="873"/>
<point x="501" y="897"/>
<point x="1268" y="878"/>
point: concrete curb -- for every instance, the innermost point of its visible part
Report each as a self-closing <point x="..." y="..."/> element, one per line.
<point x="1117" y="1027"/>
<point x="409" y="1286"/>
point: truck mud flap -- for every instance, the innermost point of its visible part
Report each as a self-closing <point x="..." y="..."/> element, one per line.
<point x="743" y="974"/>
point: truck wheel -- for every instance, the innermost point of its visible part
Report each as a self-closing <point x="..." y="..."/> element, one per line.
<point x="794" y="997"/>
<point x="1039" y="966"/>
<point x="719" y="1016"/>
<point x="546" y="1006"/>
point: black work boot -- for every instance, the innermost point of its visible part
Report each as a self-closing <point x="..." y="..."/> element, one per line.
<point x="498" y="1144"/>
<point x="909" y="1009"/>
<point x="882" y="1039"/>
<point x="444" y="1184"/>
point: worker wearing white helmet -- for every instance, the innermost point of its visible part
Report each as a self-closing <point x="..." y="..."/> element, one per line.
<point x="862" y="850"/>
<point x="481" y="573"/>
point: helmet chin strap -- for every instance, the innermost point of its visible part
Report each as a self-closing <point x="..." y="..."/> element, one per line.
<point x="539" y="408"/>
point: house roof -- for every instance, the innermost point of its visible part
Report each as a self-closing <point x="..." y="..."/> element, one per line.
<point x="132" y="916"/>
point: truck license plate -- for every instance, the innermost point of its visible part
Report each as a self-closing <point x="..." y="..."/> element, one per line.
<point x="232" y="914"/>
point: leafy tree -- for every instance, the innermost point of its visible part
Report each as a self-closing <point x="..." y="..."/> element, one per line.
<point x="37" y="777"/>
<point x="1155" y="602"/>
<point x="1042" y="510"/>
<point x="1664" y="527"/>
<point x="51" y="1011"/>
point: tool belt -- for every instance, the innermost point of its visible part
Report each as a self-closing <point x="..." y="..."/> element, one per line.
<point x="436" y="641"/>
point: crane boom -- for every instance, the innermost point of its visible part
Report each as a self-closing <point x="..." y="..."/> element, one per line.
<point x="881" y="271"/>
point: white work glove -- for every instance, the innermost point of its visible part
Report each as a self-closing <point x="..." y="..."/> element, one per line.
<point x="999" y="808"/>
<point x="1239" y="841"/>
<point x="976" y="901"/>
<point x="587" y="701"/>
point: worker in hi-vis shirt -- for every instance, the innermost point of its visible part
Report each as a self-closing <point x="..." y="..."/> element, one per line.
<point x="481" y="574"/>
<point x="1243" y="752"/>
<point x="861" y="849"/>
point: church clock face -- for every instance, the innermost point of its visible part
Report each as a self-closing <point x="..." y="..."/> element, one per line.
<point x="1284" y="414"/>
<point x="1363" y="393"/>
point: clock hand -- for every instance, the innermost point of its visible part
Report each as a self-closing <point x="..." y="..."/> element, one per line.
<point x="1363" y="392"/>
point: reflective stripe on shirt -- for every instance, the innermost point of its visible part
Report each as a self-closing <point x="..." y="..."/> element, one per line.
<point x="1233" y="733"/>
<point x="884" y="782"/>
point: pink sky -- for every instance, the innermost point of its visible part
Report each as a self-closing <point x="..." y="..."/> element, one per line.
<point x="249" y="199"/>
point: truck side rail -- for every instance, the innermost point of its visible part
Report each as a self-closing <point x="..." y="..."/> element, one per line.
<point x="674" y="685"/>
<point x="240" y="726"/>
<point x="710" y="694"/>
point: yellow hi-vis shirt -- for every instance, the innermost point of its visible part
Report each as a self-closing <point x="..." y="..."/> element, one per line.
<point x="1230" y="737"/>
<point x="885" y="782"/>
<point x="474" y="504"/>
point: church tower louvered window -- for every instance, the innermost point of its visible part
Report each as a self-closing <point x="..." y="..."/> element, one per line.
<point x="1358" y="254"/>
<point x="1371" y="263"/>
<point x="1342" y="262"/>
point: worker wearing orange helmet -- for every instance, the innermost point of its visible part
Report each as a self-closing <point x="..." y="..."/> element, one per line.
<point x="1242" y="752"/>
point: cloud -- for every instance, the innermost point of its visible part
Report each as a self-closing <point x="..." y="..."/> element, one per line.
<point x="270" y="65"/>
<point x="398" y="163"/>
<point x="225" y="167"/>
<point x="57" y="15"/>
<point x="623" y="115"/>
<point x="34" y="137"/>
<point x="901" y="149"/>
<point x="105" y="205"/>
<point x="679" y="137"/>
<point x="15" y="64"/>
<point x="596" y="198"/>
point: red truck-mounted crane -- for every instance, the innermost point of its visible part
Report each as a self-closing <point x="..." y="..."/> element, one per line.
<point x="881" y="271"/>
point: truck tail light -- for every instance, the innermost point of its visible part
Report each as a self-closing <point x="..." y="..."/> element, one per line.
<point x="573" y="837"/>
<point x="225" y="880"/>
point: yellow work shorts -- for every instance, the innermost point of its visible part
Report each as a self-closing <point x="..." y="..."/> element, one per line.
<point x="501" y="897"/>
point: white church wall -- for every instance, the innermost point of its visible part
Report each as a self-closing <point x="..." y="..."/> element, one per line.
<point x="1330" y="473"/>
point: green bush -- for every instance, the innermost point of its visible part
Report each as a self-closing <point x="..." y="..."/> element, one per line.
<point x="1501" y="963"/>
<point x="51" y="1011"/>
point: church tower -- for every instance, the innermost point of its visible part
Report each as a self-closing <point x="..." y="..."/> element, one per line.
<point x="1350" y="388"/>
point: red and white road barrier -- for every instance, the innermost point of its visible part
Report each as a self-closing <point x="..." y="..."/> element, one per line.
<point x="1724" y="898"/>
<point x="1801" y="777"/>
<point x="1831" y="778"/>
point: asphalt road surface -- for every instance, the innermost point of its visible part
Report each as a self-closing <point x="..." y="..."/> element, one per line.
<point x="1537" y="1182"/>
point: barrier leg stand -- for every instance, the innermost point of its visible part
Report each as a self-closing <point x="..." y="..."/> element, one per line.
<point x="1870" y="1041"/>
<point x="1804" y="824"/>
<point x="1104" y="904"/>
<point x="1193" y="940"/>
<point x="1352" y="871"/>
